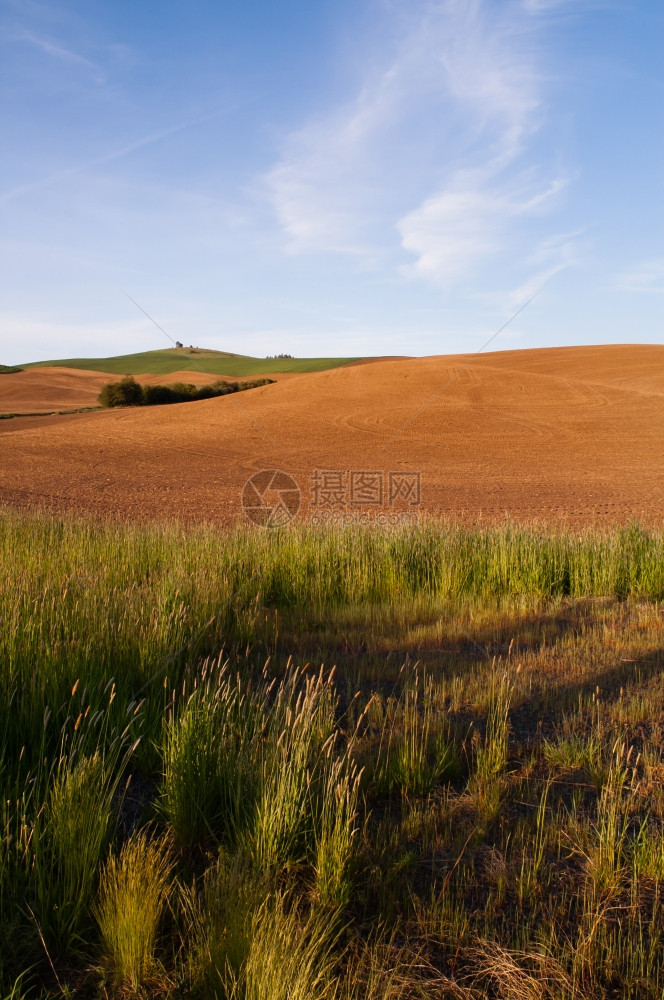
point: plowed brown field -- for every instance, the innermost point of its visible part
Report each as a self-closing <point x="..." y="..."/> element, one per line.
<point x="572" y="434"/>
<point x="45" y="390"/>
<point x="42" y="390"/>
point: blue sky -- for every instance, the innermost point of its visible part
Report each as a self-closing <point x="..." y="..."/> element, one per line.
<point x="318" y="178"/>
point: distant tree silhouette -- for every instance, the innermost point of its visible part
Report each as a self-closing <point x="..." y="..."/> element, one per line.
<point x="127" y="392"/>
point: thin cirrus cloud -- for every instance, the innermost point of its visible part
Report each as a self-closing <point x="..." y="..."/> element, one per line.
<point x="323" y="176"/>
<point x="114" y="154"/>
<point x="432" y="157"/>
<point x="469" y="220"/>
<point x="647" y="276"/>
<point x="52" y="48"/>
<point x="553" y="255"/>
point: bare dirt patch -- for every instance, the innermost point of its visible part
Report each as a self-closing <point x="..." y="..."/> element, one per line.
<point x="47" y="390"/>
<point x="43" y="390"/>
<point x="563" y="435"/>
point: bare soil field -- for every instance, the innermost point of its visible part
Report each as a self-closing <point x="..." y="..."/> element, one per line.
<point x="45" y="390"/>
<point x="571" y="435"/>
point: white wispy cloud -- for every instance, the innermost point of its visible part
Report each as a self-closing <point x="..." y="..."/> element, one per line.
<point x="113" y="154"/>
<point x="431" y="154"/>
<point x="550" y="257"/>
<point x="555" y="6"/>
<point x="53" y="48"/>
<point x="466" y="221"/>
<point x="326" y="169"/>
<point x="646" y="276"/>
<point x="472" y="214"/>
<point x="328" y="186"/>
<point x="48" y="340"/>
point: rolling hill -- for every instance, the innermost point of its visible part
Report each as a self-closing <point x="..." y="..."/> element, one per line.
<point x="559" y="435"/>
<point x="165" y="362"/>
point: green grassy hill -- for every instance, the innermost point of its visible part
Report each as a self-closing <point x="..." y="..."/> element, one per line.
<point x="182" y="359"/>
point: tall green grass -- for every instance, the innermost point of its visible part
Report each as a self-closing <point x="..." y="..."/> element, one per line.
<point x="90" y="602"/>
<point x="301" y="720"/>
<point x="132" y="897"/>
<point x="337" y="829"/>
<point x="290" y="957"/>
<point x="211" y="753"/>
<point x="68" y="842"/>
<point x="195" y="802"/>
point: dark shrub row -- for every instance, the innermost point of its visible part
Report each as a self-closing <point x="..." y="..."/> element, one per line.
<point x="128" y="392"/>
